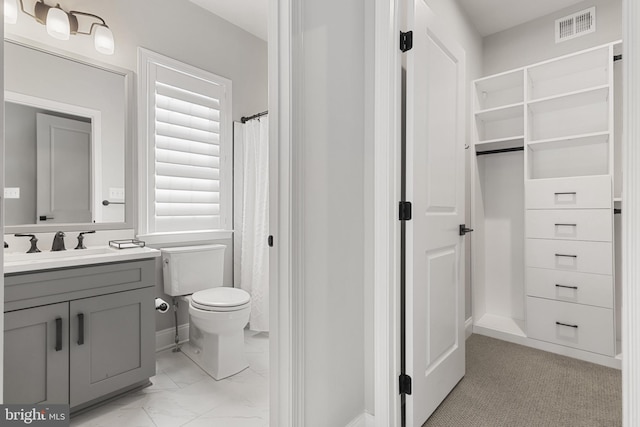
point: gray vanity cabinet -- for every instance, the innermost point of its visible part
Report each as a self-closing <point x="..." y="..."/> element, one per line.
<point x="111" y="343"/>
<point x="36" y="355"/>
<point x="79" y="335"/>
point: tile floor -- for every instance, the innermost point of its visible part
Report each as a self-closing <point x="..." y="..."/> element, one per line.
<point x="184" y="395"/>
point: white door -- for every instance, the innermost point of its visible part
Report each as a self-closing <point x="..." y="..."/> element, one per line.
<point x="435" y="114"/>
<point x="64" y="170"/>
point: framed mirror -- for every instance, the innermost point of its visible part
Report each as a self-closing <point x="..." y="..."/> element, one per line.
<point x="68" y="142"/>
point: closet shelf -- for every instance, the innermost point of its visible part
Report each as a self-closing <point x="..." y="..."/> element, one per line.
<point x="595" y="58"/>
<point x="505" y="80"/>
<point x="500" y="143"/>
<point x="569" y="141"/>
<point x="501" y="113"/>
<point x="500" y="89"/>
<point x="575" y="99"/>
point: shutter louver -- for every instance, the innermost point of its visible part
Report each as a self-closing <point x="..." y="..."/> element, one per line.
<point x="187" y="127"/>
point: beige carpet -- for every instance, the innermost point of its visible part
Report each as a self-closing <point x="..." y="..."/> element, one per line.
<point x="515" y="386"/>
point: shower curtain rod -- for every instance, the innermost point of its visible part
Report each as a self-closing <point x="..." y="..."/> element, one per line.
<point x="255" y="116"/>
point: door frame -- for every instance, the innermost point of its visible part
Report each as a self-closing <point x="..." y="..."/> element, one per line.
<point x="387" y="236"/>
<point x="387" y="186"/>
<point x="286" y="341"/>
<point x="631" y="216"/>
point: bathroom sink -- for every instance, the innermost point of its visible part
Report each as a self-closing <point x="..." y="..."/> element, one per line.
<point x="22" y="262"/>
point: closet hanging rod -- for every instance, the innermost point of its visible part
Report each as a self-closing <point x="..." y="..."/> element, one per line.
<point x="255" y="116"/>
<point x="502" y="150"/>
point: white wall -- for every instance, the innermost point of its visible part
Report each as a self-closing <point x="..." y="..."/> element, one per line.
<point x="534" y="41"/>
<point x="329" y="150"/>
<point x="183" y="31"/>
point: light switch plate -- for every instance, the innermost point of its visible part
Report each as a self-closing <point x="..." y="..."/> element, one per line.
<point x="12" y="192"/>
<point x="116" y="194"/>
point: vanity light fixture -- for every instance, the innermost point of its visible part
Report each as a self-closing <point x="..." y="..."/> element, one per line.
<point x="61" y="24"/>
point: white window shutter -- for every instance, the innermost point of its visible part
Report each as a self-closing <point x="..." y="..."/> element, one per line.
<point x="188" y="119"/>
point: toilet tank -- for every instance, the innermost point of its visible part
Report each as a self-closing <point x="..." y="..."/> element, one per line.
<point x="192" y="268"/>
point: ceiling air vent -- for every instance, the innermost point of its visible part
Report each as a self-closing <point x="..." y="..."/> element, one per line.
<point x="576" y="25"/>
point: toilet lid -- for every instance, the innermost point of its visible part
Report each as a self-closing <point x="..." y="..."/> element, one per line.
<point x="223" y="297"/>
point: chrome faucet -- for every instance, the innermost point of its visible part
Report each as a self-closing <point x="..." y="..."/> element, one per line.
<point x="58" y="242"/>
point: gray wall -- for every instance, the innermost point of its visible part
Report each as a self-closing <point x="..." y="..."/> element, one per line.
<point x="534" y="41"/>
<point x="175" y="28"/>
<point x="21" y="171"/>
<point x="20" y="148"/>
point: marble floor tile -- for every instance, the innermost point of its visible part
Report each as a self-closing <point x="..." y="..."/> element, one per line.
<point x="183" y="394"/>
<point x="113" y="415"/>
<point x="237" y="414"/>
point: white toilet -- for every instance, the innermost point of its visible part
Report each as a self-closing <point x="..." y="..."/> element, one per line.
<point x="217" y="314"/>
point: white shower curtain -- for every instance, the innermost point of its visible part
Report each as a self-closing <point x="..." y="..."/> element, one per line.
<point x="254" y="259"/>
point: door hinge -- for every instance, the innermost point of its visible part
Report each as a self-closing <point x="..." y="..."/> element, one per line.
<point x="406" y="41"/>
<point x="464" y="230"/>
<point x="405" y="384"/>
<point x="270" y="241"/>
<point x="404" y="213"/>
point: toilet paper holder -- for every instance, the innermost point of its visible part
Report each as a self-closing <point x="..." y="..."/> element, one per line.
<point x="161" y="305"/>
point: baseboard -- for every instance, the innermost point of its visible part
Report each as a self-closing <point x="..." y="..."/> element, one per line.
<point x="166" y="338"/>
<point x="363" y="420"/>
<point x="468" y="327"/>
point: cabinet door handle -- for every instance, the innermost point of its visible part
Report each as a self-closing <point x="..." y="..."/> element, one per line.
<point x="566" y="192"/>
<point x="58" y="333"/>
<point x="566" y="324"/>
<point x="565" y="286"/>
<point x="80" y="328"/>
<point x="567" y="256"/>
<point x="566" y="225"/>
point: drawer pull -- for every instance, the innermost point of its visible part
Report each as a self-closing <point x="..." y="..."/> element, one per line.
<point x="566" y="225"/>
<point x="565" y="286"/>
<point x="58" y="333"/>
<point x="567" y="192"/>
<point x="567" y="256"/>
<point x="80" y="328"/>
<point x="566" y="324"/>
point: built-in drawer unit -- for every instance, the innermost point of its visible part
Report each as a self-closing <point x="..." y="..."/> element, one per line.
<point x="589" y="192"/>
<point x="586" y="257"/>
<point x="581" y="288"/>
<point x="575" y="325"/>
<point x="570" y="224"/>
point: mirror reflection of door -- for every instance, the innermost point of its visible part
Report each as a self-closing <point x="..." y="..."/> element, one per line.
<point x="64" y="175"/>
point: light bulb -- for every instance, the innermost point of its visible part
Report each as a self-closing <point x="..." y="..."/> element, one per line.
<point x="10" y="11"/>
<point x="58" y="24"/>
<point x="103" y="40"/>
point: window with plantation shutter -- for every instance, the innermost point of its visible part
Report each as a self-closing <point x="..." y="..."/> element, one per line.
<point x="188" y="137"/>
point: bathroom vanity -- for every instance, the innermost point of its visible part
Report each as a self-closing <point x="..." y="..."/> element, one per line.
<point x="79" y="334"/>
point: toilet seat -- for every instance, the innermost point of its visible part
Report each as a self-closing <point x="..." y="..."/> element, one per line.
<point x="221" y="299"/>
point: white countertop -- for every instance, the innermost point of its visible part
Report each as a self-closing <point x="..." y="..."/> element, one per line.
<point x="15" y="262"/>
